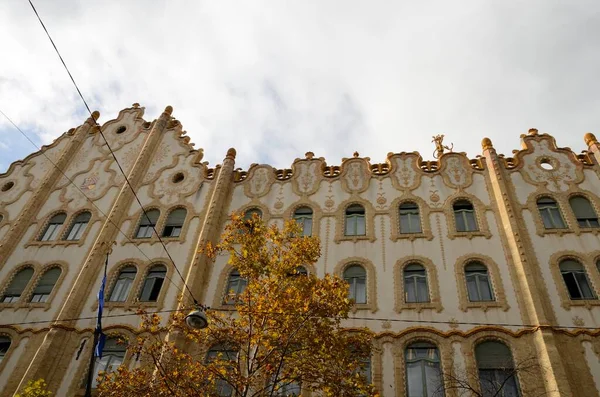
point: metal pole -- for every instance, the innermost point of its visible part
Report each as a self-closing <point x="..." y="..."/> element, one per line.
<point x="90" y="377"/>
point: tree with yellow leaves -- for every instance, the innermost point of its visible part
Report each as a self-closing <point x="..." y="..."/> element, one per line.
<point x="37" y="388"/>
<point x="282" y="336"/>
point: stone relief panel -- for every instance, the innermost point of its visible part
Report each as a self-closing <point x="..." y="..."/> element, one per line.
<point x="406" y="175"/>
<point x="259" y="181"/>
<point x="543" y="164"/>
<point x="307" y="175"/>
<point x="94" y="183"/>
<point x="123" y="130"/>
<point x="356" y="175"/>
<point x="456" y="170"/>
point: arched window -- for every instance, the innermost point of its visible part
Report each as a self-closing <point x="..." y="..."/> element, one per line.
<point x="576" y="280"/>
<point x="550" y="213"/>
<point x="464" y="215"/>
<point x="174" y="223"/>
<point x="153" y="283"/>
<point x="415" y="284"/>
<point x="497" y="375"/>
<point x="53" y="228"/>
<point x="4" y="346"/>
<point x="479" y="287"/>
<point x="113" y="354"/>
<point x="355" y="220"/>
<point x="251" y="212"/>
<point x="17" y="285"/>
<point x="423" y="371"/>
<point x="147" y="224"/>
<point x="410" y="221"/>
<point x="304" y="216"/>
<point x="584" y="212"/>
<point x="226" y="353"/>
<point x="44" y="287"/>
<point x="78" y="226"/>
<point x="356" y="276"/>
<point x="120" y="291"/>
<point x="236" y="284"/>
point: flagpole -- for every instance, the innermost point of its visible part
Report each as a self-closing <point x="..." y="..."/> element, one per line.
<point x="97" y="332"/>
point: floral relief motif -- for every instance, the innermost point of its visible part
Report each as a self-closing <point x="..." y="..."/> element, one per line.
<point x="307" y="179"/>
<point x="553" y="168"/>
<point x="456" y="171"/>
<point x="259" y="181"/>
<point x="356" y="175"/>
<point x="405" y="175"/>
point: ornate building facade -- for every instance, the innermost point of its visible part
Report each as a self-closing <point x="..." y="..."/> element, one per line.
<point x="454" y="263"/>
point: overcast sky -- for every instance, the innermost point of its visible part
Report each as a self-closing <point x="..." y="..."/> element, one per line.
<point x="276" y="79"/>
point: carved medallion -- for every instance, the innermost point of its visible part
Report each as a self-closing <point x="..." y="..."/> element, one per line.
<point x="405" y="175"/>
<point x="356" y="176"/>
<point x="89" y="182"/>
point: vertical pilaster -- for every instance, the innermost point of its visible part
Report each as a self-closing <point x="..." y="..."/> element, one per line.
<point x="20" y="225"/>
<point x="530" y="285"/>
<point x="46" y="364"/>
<point x="199" y="270"/>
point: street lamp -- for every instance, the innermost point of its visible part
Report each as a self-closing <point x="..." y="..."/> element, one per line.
<point x="196" y="319"/>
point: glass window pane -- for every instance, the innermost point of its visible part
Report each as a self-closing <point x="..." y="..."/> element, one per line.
<point x="584" y="285"/>
<point x="422" y="291"/>
<point x="557" y="218"/>
<point x="582" y="208"/>
<point x="434" y="380"/>
<point x="472" y="289"/>
<point x="571" y="284"/>
<point x="414" y="377"/>
<point x="44" y="287"/>
<point x="17" y="286"/>
<point x="360" y="226"/>
<point x="350" y="226"/>
<point x="361" y="291"/>
<point x="410" y="290"/>
<point x="547" y="219"/>
<point x="471" y="221"/>
<point x="461" y="225"/>
<point x="4" y="346"/>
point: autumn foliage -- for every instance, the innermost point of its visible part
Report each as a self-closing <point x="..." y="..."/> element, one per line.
<point x="281" y="334"/>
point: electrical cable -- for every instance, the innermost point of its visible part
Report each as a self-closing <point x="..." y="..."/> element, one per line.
<point x="332" y="317"/>
<point x="84" y="195"/>
<point x="113" y="154"/>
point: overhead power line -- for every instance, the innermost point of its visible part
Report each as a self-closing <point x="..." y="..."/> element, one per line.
<point x="84" y="195"/>
<point x="113" y="154"/>
<point x="398" y="320"/>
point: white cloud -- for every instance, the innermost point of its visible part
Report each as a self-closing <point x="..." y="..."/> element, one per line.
<point x="276" y="79"/>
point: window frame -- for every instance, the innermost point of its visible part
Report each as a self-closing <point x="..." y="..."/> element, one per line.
<point x="353" y="283"/>
<point x="80" y="225"/>
<point x="576" y="280"/>
<point x="495" y="281"/>
<point x="355" y="216"/>
<point x="553" y="210"/>
<point x="411" y="214"/>
<point x="464" y="215"/>
<point x="17" y="299"/>
<point x="589" y="223"/>
<point x="44" y="297"/>
<point x="477" y="276"/>
<point x="110" y="353"/>
<point x="478" y="364"/>
<point x="370" y="285"/>
<point x="145" y="223"/>
<point x="229" y="299"/>
<point x="303" y="218"/>
<point x="175" y="227"/>
<point x="54" y="235"/>
<point x="147" y="276"/>
<point x="421" y="345"/>
<point x="4" y="352"/>
<point x="116" y="280"/>
<point x="414" y="278"/>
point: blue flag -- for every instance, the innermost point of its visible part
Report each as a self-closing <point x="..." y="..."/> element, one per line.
<point x="101" y="336"/>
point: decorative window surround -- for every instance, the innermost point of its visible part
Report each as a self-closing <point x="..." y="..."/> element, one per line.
<point x="38" y="271"/>
<point x="316" y="217"/>
<point x="133" y="301"/>
<point x="136" y="219"/>
<point x="371" y="281"/>
<point x="589" y="264"/>
<point x="64" y="229"/>
<point x="480" y="216"/>
<point x="532" y="206"/>
<point x="570" y="215"/>
<point x="424" y="213"/>
<point x="340" y="218"/>
<point x="266" y="214"/>
<point x="435" y="302"/>
<point x="495" y="281"/>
